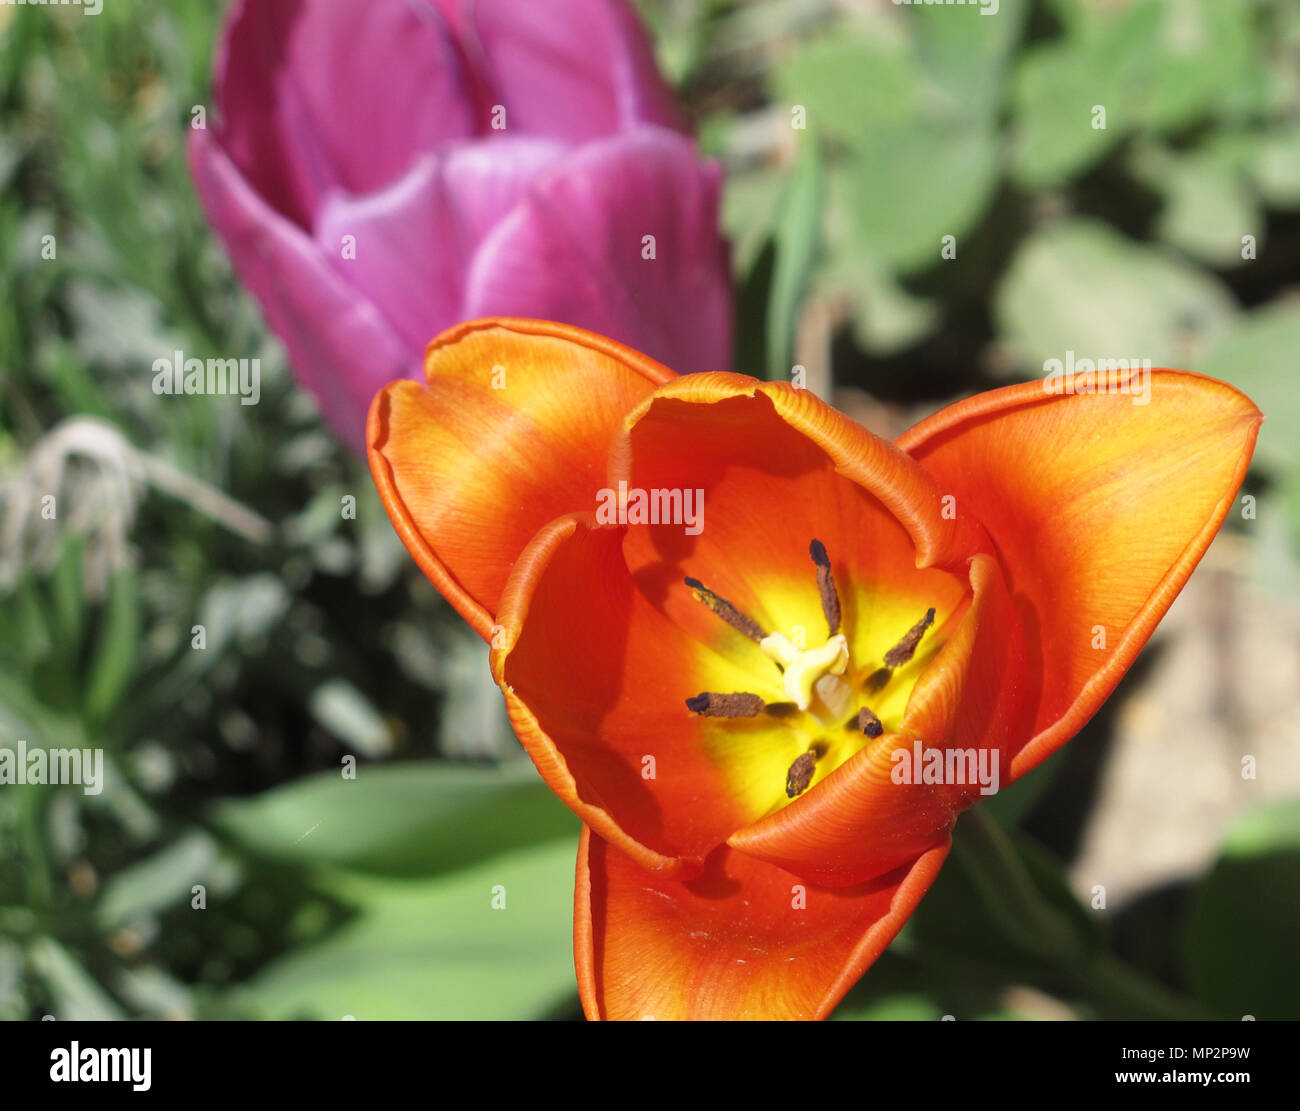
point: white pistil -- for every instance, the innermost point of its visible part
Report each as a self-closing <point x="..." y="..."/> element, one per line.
<point x="803" y="668"/>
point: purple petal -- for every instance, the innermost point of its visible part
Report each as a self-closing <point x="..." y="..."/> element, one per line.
<point x="414" y="241"/>
<point x="340" y="347"/>
<point x="571" y="69"/>
<point x="315" y="95"/>
<point x="572" y="251"/>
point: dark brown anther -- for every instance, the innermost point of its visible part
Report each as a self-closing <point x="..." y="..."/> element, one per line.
<point x="724" y="609"/>
<point x="905" y="648"/>
<point x="869" y="723"/>
<point x="737" y="705"/>
<point x="800" y="774"/>
<point x="826" y="585"/>
<point x="878" y="678"/>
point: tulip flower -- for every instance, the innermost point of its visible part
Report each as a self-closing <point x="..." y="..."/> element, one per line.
<point x="729" y="711"/>
<point x="379" y="171"/>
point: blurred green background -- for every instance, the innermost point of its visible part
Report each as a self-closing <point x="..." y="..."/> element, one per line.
<point x="371" y="897"/>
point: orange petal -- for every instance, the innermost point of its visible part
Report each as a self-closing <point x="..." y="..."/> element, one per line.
<point x="743" y="940"/>
<point x="704" y="424"/>
<point x="860" y="822"/>
<point x="511" y="431"/>
<point x="1100" y="508"/>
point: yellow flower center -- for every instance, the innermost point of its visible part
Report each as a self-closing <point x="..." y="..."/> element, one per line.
<point x="830" y="704"/>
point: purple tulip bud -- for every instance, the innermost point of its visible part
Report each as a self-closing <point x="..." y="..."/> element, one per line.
<point x="379" y="172"/>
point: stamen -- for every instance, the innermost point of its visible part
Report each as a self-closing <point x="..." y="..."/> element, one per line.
<point x="724" y="609"/>
<point x="800" y="774"/>
<point x="905" y="648"/>
<point x="826" y="585"/>
<point x="869" y="723"/>
<point x="737" y="705"/>
<point x="878" y="678"/>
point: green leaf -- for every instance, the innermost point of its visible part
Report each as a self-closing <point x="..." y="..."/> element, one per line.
<point x="1081" y="286"/>
<point x="825" y="76"/>
<point x="1257" y="355"/>
<point x="1277" y="168"/>
<point x="1245" y="918"/>
<point x="239" y="611"/>
<point x="964" y="58"/>
<point x="76" y="995"/>
<point x="797" y="238"/>
<point x="67" y="597"/>
<point x="903" y="190"/>
<point x="749" y="204"/>
<point x="27" y="624"/>
<point x="1202" y="56"/>
<point x="1149" y="64"/>
<point x="398" y="819"/>
<point x="1058" y="87"/>
<point x="117" y="647"/>
<point x="1209" y="204"/>
<point x="157" y="882"/>
<point x="438" y="949"/>
<point x="348" y="714"/>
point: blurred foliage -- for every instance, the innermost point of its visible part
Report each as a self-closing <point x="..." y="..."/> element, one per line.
<point x="373" y="897"/>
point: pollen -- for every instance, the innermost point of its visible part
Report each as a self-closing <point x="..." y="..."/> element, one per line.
<point x="736" y="705"/>
<point x="800" y="774"/>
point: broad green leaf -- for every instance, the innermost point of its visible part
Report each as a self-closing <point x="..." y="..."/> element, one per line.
<point x="1058" y="89"/>
<point x="1277" y="168"/>
<point x="1148" y="63"/>
<point x="438" y="948"/>
<point x="964" y="55"/>
<point x="398" y="819"/>
<point x="1257" y="355"/>
<point x="904" y="190"/>
<point x="1245" y="918"/>
<point x="1209" y="204"/>
<point x="1081" y="286"/>
<point x="849" y="85"/>
<point x="1202" y="54"/>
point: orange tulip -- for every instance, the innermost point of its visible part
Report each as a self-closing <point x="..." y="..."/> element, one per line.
<point x="770" y="721"/>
